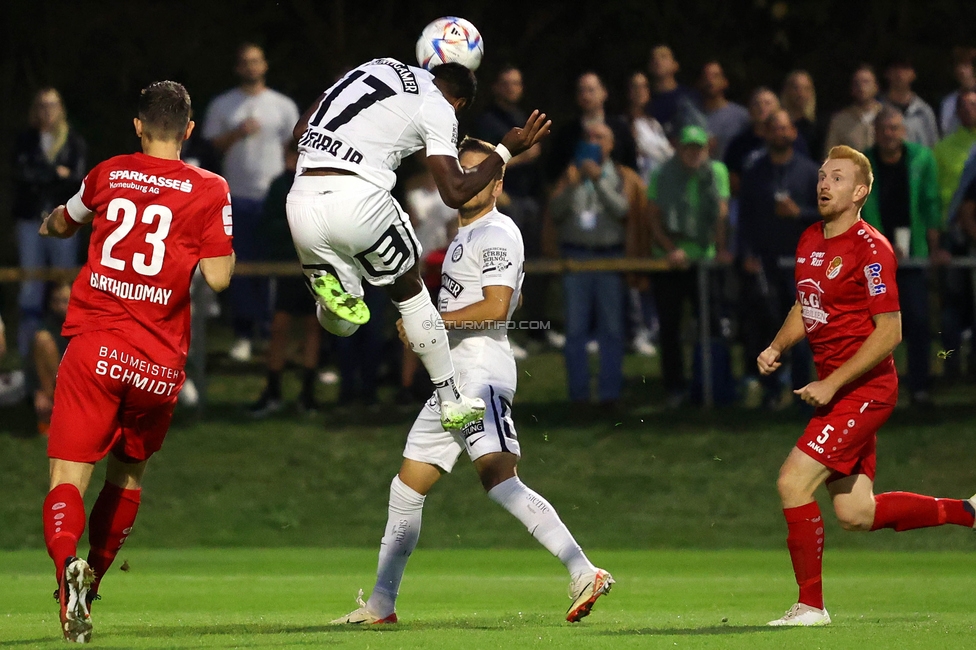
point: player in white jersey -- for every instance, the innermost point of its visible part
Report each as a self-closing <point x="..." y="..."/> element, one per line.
<point x="481" y="287"/>
<point x="345" y="224"/>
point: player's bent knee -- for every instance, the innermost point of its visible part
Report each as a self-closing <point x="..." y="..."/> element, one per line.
<point x="854" y="519"/>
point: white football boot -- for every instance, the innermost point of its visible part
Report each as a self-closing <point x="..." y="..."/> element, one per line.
<point x="801" y="615"/>
<point x="972" y="504"/>
<point x="459" y="414"/>
<point x="584" y="590"/>
<point x="72" y="595"/>
<point x="362" y="616"/>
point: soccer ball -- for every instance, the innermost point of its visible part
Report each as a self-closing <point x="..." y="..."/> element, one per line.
<point x="450" y="39"/>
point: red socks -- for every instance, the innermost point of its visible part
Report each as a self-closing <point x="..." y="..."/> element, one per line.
<point x="907" y="511"/>
<point x="805" y="541"/>
<point x="64" y="522"/>
<point x="110" y="523"/>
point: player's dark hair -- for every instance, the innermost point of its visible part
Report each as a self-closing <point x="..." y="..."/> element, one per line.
<point x="164" y="109"/>
<point x="460" y="83"/>
<point x="474" y="145"/>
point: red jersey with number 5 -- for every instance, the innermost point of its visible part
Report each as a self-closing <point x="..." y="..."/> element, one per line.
<point x="841" y="284"/>
<point x="153" y="220"/>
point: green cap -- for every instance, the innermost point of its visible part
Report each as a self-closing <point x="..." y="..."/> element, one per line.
<point x="693" y="134"/>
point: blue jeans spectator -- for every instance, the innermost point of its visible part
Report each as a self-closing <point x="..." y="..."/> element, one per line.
<point x="249" y="296"/>
<point x="913" y="294"/>
<point x="594" y="297"/>
<point x="38" y="252"/>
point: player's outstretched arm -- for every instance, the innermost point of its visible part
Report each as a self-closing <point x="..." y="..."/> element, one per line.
<point x="791" y="333"/>
<point x="217" y="271"/>
<point x="58" y="225"/>
<point x="457" y="185"/>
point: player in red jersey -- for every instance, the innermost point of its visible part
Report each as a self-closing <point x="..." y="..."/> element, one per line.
<point x="154" y="219"/>
<point x="847" y="307"/>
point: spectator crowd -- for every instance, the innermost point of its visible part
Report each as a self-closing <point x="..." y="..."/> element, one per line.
<point x="682" y="173"/>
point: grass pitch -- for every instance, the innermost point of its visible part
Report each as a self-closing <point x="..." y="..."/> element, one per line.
<point x="277" y="598"/>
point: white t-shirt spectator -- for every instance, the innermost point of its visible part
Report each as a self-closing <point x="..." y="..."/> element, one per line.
<point x="431" y="217"/>
<point x="251" y="163"/>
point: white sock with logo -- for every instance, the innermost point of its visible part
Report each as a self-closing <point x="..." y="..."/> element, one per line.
<point x="402" y="533"/>
<point x="543" y="523"/>
<point x="428" y="338"/>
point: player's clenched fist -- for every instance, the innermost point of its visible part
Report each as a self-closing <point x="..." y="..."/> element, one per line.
<point x="768" y="361"/>
<point x="816" y="393"/>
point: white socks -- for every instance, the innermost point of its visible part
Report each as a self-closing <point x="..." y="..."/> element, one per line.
<point x="543" y="523"/>
<point x="428" y="338"/>
<point x="402" y="533"/>
<point x="333" y="324"/>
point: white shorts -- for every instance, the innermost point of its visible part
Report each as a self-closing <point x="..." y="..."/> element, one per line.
<point x="352" y="229"/>
<point x="428" y="442"/>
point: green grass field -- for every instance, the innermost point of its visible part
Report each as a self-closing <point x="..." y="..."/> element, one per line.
<point x="498" y="599"/>
<point x="256" y="534"/>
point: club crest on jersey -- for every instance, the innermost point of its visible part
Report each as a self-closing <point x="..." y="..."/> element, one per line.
<point x="876" y="285"/>
<point x="811" y="300"/>
<point x="833" y="269"/>
<point x="458" y="252"/>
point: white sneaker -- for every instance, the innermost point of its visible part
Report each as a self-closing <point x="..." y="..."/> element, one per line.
<point x="189" y="395"/>
<point x="241" y="350"/>
<point x="556" y="339"/>
<point x="801" y="615"/>
<point x="593" y="347"/>
<point x="642" y="345"/>
<point x="363" y="616"/>
<point x="584" y="590"/>
<point x="457" y="415"/>
<point x="329" y="377"/>
<point x="13" y="387"/>
<point x="518" y="351"/>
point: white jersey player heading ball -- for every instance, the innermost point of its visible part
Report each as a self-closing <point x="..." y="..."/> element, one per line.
<point x="345" y="224"/>
<point x="481" y="286"/>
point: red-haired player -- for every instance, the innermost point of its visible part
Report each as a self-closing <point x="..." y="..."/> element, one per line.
<point x="154" y="219"/>
<point x="847" y="307"/>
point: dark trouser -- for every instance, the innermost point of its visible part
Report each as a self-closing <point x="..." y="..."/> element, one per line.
<point x="913" y="294"/>
<point x="587" y="295"/>
<point x="671" y="291"/>
<point x="359" y="355"/>
<point x="956" y="287"/>
<point x="249" y="296"/>
<point x="768" y="298"/>
<point x="527" y="215"/>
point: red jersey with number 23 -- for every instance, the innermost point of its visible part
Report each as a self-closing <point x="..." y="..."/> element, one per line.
<point x="841" y="284"/>
<point x="153" y="220"/>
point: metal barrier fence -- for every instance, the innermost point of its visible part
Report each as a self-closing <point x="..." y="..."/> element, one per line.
<point x="537" y="266"/>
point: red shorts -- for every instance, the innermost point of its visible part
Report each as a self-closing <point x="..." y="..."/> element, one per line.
<point x="110" y="397"/>
<point x="843" y="436"/>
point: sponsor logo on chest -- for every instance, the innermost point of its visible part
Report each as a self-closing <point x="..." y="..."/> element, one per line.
<point x="451" y="285"/>
<point x="811" y="304"/>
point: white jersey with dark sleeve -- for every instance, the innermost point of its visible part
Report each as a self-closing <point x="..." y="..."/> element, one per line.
<point x="373" y="117"/>
<point x="485" y="253"/>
